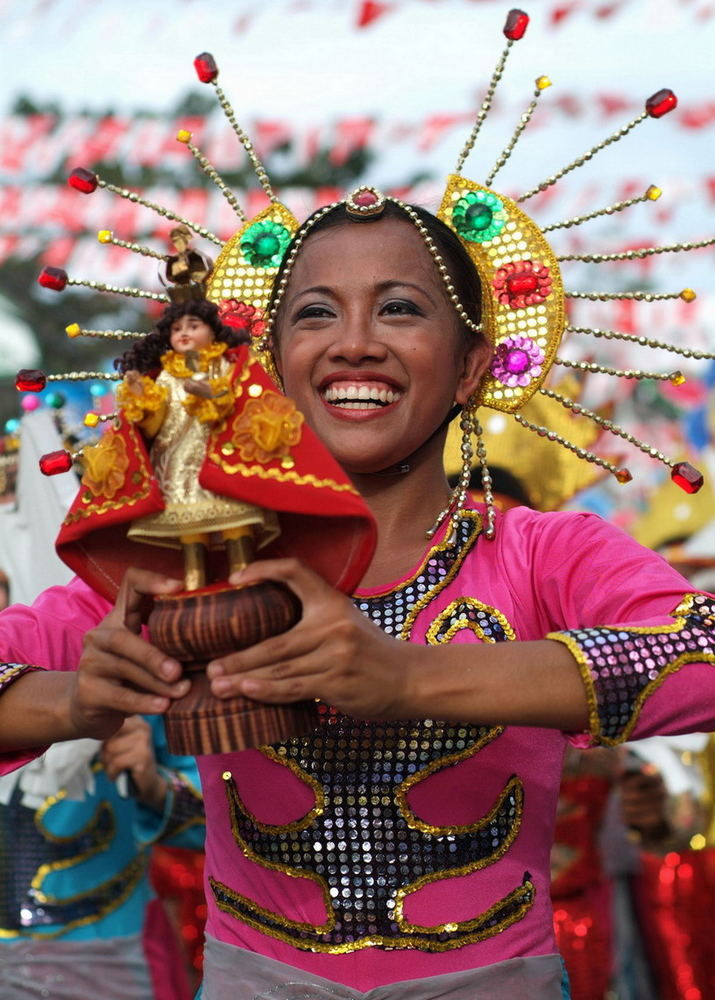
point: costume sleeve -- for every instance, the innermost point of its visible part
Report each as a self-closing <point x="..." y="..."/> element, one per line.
<point x="48" y="635"/>
<point x="182" y="822"/>
<point x="644" y="643"/>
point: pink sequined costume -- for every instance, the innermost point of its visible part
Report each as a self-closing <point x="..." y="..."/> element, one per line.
<point x="387" y="852"/>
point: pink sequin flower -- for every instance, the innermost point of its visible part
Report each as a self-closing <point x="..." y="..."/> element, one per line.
<point x="517" y="361"/>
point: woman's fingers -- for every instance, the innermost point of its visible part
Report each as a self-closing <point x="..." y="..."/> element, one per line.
<point x="122" y="655"/>
<point x="138" y="587"/>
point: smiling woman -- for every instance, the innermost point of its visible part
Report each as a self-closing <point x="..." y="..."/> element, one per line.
<point x="366" y="315"/>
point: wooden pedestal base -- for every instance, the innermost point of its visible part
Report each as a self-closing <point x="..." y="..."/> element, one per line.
<point x="198" y="627"/>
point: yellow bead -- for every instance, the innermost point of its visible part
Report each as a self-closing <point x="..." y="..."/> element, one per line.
<point x="688" y="295"/>
<point x="73" y="330"/>
<point x="653" y="192"/>
<point x="677" y="378"/>
<point x="183" y="136"/>
<point x="542" y="82"/>
<point x="227" y="449"/>
<point x="255" y="390"/>
<point x="697" y="842"/>
<point x="287" y="462"/>
<point x="91" y="420"/>
<point x="104" y="236"/>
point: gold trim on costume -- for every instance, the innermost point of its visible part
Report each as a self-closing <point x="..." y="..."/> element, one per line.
<point x="435" y="634"/>
<point x="696" y="656"/>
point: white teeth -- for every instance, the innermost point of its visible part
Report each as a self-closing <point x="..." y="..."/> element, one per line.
<point x="360" y="397"/>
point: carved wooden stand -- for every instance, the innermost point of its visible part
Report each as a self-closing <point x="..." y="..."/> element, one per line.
<point x="198" y="627"/>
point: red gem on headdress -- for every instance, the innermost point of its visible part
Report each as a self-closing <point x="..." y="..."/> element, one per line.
<point x="55" y="462"/>
<point x="206" y="68"/>
<point x="687" y="477"/>
<point x="242" y="317"/>
<point x="521" y="284"/>
<point x="365" y="198"/>
<point x="516" y="24"/>
<point x="30" y="380"/>
<point x="83" y="180"/>
<point x="661" y="103"/>
<point x="52" y="277"/>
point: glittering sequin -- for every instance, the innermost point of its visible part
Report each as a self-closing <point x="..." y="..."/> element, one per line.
<point x="362" y="844"/>
<point x="621" y="667"/>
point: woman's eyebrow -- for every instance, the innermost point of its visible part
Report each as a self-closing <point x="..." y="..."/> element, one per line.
<point x="312" y="290"/>
<point x="386" y="286"/>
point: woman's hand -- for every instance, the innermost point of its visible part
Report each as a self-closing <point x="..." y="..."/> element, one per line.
<point x="131" y="750"/>
<point x="119" y="673"/>
<point x="334" y="653"/>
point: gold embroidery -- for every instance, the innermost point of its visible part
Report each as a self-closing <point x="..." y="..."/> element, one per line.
<point x="123" y="501"/>
<point x="281" y="475"/>
<point x="438" y="765"/>
<point x="513" y="788"/>
<point x="268" y="428"/>
<point x="696" y="656"/>
<point x="438" y="634"/>
<point x="317" y="810"/>
<point x="105" y="466"/>
<point x="475" y="929"/>
<point x="235" y="805"/>
<point x="469" y="515"/>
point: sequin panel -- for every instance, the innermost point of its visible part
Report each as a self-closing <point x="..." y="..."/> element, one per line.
<point x="623" y="666"/>
<point x="365" y="848"/>
<point x="25" y="906"/>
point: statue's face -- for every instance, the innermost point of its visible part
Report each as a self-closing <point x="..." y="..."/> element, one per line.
<point x="190" y="334"/>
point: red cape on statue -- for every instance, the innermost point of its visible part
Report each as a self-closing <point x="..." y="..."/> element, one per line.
<point x="324" y="521"/>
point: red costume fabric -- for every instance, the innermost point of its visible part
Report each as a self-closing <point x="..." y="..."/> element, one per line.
<point x="263" y="453"/>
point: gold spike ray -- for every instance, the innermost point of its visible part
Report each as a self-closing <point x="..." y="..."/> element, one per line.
<point x="601" y="258"/>
<point x="105" y="236"/>
<point x="652" y="193"/>
<point x="542" y="83"/>
<point x="87" y="181"/>
<point x="514" y="28"/>
<point x="184" y="137"/>
<point x="207" y="72"/>
<point x="676" y="377"/>
<point x="656" y="106"/>
<point x="634" y="338"/>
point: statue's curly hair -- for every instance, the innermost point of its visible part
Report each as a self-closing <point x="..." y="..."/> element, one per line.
<point x="145" y="356"/>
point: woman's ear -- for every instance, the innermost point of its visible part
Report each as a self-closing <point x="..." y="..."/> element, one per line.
<point x="476" y="360"/>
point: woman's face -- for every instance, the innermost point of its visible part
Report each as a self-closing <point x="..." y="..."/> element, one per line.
<point x="368" y="344"/>
<point x="190" y="333"/>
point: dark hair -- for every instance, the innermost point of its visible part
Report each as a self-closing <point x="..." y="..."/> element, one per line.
<point x="145" y="356"/>
<point x="462" y="272"/>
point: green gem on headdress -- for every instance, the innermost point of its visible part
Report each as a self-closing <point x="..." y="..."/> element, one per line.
<point x="478" y="216"/>
<point x="264" y="243"/>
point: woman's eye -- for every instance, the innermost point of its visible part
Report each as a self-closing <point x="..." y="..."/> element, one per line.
<point x="401" y="307"/>
<point x="313" y="312"/>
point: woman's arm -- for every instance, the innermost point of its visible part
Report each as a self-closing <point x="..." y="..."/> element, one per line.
<point x="88" y="686"/>
<point x="334" y="653"/>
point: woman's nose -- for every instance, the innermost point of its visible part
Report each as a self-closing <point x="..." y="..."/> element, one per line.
<point x="356" y="340"/>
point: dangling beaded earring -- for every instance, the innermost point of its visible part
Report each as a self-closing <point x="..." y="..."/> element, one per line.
<point x="470" y="427"/>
